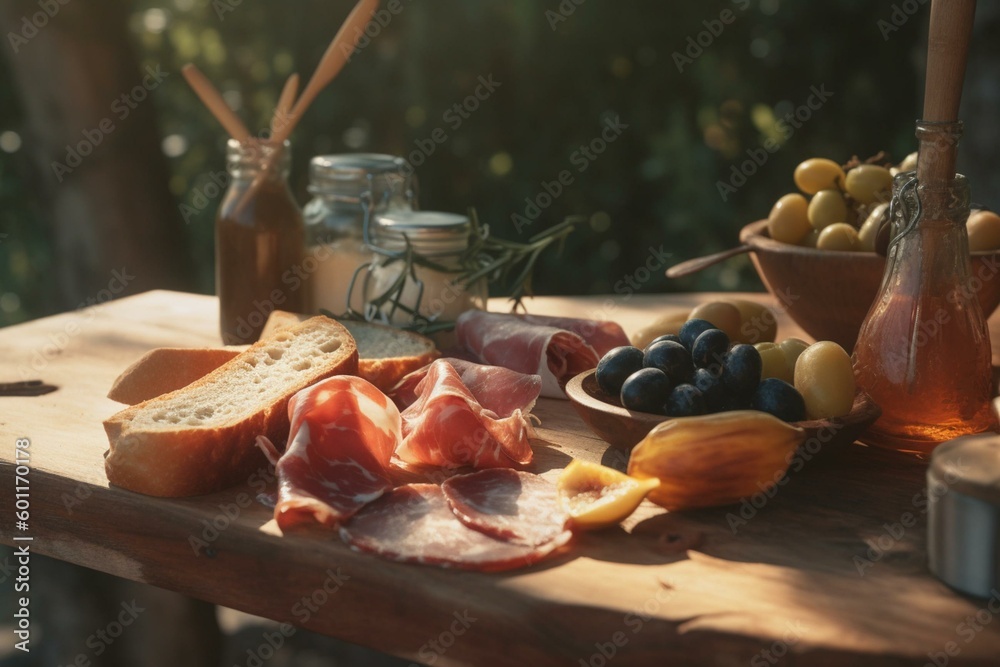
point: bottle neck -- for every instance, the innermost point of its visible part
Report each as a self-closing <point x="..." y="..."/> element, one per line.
<point x="247" y="160"/>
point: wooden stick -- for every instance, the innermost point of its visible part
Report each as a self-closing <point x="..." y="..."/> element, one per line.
<point x="947" y="53"/>
<point x="213" y="99"/>
<point x="285" y="102"/>
<point x="337" y="54"/>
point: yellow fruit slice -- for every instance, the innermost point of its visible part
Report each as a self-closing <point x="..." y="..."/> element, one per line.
<point x="597" y="496"/>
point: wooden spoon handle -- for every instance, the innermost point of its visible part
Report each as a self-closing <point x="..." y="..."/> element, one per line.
<point x="697" y="264"/>
<point x="212" y="98"/>
<point x="285" y="102"/>
<point x="947" y="53"/>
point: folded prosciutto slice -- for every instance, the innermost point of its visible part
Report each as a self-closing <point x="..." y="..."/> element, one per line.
<point x="495" y="388"/>
<point x="513" y="342"/>
<point x="601" y="335"/>
<point x="343" y="433"/>
<point x="446" y="426"/>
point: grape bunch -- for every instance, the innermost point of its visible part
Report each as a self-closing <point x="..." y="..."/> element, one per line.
<point x="694" y="372"/>
<point x="849" y="206"/>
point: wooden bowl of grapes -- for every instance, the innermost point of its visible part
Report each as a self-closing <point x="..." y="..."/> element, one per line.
<point x="624" y="429"/>
<point x="828" y="292"/>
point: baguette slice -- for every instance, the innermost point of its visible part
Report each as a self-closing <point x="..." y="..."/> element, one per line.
<point x="167" y="369"/>
<point x="387" y="354"/>
<point x="200" y="438"/>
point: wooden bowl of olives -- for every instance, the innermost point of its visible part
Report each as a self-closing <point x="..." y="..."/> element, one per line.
<point x="828" y="292"/>
<point x="624" y="429"/>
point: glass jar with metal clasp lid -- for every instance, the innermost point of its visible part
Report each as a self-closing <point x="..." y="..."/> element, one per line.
<point x="415" y="275"/>
<point x="347" y="190"/>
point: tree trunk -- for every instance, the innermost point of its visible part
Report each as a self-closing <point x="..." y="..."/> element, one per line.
<point x="91" y="133"/>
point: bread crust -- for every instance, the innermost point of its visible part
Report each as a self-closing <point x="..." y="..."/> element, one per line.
<point x="167" y="369"/>
<point x="194" y="460"/>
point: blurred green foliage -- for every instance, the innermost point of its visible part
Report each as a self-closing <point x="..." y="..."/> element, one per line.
<point x="559" y="81"/>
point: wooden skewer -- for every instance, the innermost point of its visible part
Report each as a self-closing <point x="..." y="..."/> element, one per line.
<point x="341" y="48"/>
<point x="285" y="102"/>
<point x="947" y="53"/>
<point x="213" y="99"/>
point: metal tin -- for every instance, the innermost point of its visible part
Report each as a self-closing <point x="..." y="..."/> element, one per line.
<point x="431" y="233"/>
<point x="963" y="525"/>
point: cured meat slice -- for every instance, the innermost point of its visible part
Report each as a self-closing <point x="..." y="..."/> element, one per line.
<point x="510" y="505"/>
<point x="343" y="433"/>
<point x="515" y="343"/>
<point x="602" y="335"/>
<point x="414" y="524"/>
<point x="447" y="427"/>
<point x="494" y="387"/>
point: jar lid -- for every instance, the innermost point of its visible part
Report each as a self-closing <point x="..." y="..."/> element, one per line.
<point x="963" y="514"/>
<point x="429" y="232"/>
<point x="353" y="173"/>
<point x="970" y="465"/>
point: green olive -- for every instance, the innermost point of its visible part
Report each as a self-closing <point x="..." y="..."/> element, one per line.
<point x="825" y="378"/>
<point x="869" y="229"/>
<point x="774" y="363"/>
<point x="826" y="208"/>
<point x="838" y="236"/>
<point x="869" y="183"/>
<point x="792" y="348"/>
<point x="817" y="174"/>
<point x="984" y="231"/>
<point x="789" y="221"/>
<point x="722" y="315"/>
<point x="810" y="240"/>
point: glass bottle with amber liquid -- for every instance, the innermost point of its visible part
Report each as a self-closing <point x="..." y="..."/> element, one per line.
<point x="923" y="352"/>
<point x="259" y="241"/>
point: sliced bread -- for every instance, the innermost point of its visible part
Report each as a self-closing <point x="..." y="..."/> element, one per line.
<point x="200" y="438"/>
<point x="387" y="354"/>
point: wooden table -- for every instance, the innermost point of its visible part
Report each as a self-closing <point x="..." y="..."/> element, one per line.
<point x="822" y="573"/>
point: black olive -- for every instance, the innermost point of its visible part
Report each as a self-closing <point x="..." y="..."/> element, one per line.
<point x="691" y="329"/>
<point x="780" y="399"/>
<point x="616" y="366"/>
<point x="685" y="401"/>
<point x="709" y="349"/>
<point x="741" y="370"/>
<point x="673" y="338"/>
<point x="710" y="386"/>
<point x="646" y="390"/>
<point x="671" y="358"/>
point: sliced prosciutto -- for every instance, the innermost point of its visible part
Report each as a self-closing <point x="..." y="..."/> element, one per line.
<point x="495" y="388"/>
<point x="515" y="343"/>
<point x="446" y="426"/>
<point x="343" y="433"/>
<point x="602" y="335"/>
<point x="414" y="524"/>
<point x="510" y="505"/>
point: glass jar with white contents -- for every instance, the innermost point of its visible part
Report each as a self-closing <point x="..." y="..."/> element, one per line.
<point x="348" y="190"/>
<point x="431" y="287"/>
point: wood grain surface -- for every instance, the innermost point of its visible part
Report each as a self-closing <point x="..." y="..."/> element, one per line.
<point x="829" y="571"/>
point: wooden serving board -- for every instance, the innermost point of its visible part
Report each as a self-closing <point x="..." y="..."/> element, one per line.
<point x="829" y="571"/>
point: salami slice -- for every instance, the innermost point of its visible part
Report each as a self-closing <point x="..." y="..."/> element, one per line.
<point x="343" y="433"/>
<point x="414" y="524"/>
<point x="515" y="343"/>
<point x="495" y="388"/>
<point x="447" y="427"/>
<point x="510" y="505"/>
